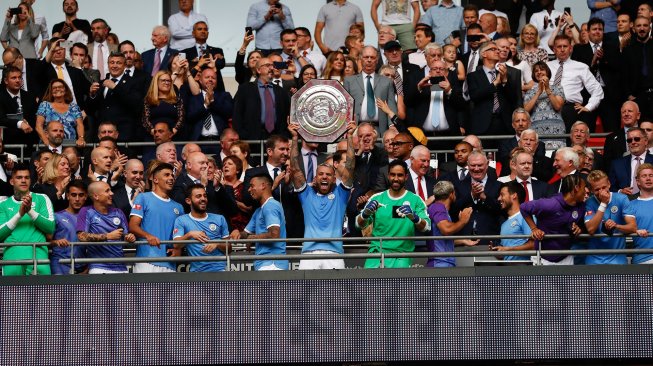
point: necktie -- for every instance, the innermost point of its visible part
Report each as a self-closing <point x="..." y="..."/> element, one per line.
<point x="196" y="181"/>
<point x="101" y="178"/>
<point x="19" y="109"/>
<point x="435" y="108"/>
<point x="115" y="81"/>
<point x="276" y="173"/>
<point x="132" y="194"/>
<point x="366" y="157"/>
<point x="462" y="174"/>
<point x="371" y="103"/>
<point x="495" y="97"/>
<point x="638" y="162"/>
<point x="420" y="191"/>
<point x="207" y="121"/>
<point x="269" y="110"/>
<point x="310" y="174"/>
<point x="100" y="59"/>
<point x="525" y="184"/>
<point x="128" y="72"/>
<point x="54" y="150"/>
<point x="60" y="72"/>
<point x="598" y="73"/>
<point x="558" y="76"/>
<point x="157" y="62"/>
<point x="472" y="63"/>
<point x="202" y="50"/>
<point x="304" y="53"/>
<point x="399" y="85"/>
<point x="277" y="82"/>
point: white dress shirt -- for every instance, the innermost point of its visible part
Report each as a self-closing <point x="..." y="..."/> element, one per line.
<point x="105" y="57"/>
<point x="417" y="58"/>
<point x="414" y="176"/>
<point x="576" y="76"/>
<point x="529" y="185"/>
<point x="316" y="59"/>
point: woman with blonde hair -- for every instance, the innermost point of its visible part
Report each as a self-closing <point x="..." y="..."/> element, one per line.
<point x="162" y="104"/>
<point x="529" y="49"/>
<point x="56" y="176"/>
<point x="21" y="32"/>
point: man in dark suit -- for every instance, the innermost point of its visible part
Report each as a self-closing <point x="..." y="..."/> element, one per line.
<point x="208" y="112"/>
<point x="370" y="159"/>
<point x="140" y="77"/>
<point x="278" y="76"/>
<point x="522" y="164"/>
<point x="623" y="170"/>
<point x="278" y="150"/>
<point x="566" y="162"/>
<point x="637" y="60"/>
<point x="118" y="99"/>
<point x="160" y="56"/>
<point x="521" y="121"/>
<point x="17" y="109"/>
<point x="514" y="74"/>
<point x="30" y="68"/>
<point x="368" y="86"/>
<point x="615" y="142"/>
<point x="203" y="50"/>
<point x="394" y="57"/>
<point x="219" y="201"/>
<point x="542" y="164"/>
<point x="604" y="60"/>
<point x="472" y="58"/>
<point x="260" y="108"/>
<point x="488" y="22"/>
<point x="125" y="193"/>
<point x="421" y="183"/>
<point x="99" y="49"/>
<point x="57" y="68"/>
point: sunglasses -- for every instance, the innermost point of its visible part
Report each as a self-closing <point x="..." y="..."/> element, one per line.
<point x="631" y="139"/>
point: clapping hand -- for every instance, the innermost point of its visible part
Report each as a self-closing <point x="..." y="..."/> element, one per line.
<point x="407" y="212"/>
<point x="370" y="209"/>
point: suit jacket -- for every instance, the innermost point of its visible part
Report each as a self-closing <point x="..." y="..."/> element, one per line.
<point x="91" y="50"/>
<point x="465" y="60"/>
<point x="367" y="170"/>
<point x="121" y="199"/>
<point x="192" y="57"/>
<point x="33" y="77"/>
<point x="219" y="201"/>
<point x="633" y="58"/>
<point x="614" y="147"/>
<point x="609" y="66"/>
<point x="142" y="80"/>
<point x="148" y="59"/>
<point x="481" y="92"/>
<point x="419" y="103"/>
<point x="383" y="89"/>
<point x="122" y="105"/>
<point x="81" y="85"/>
<point x="621" y="172"/>
<point x="220" y="109"/>
<point x="506" y="146"/>
<point x="485" y="214"/>
<point x="540" y="189"/>
<point x="9" y="119"/>
<point x="430" y="183"/>
<point x="24" y="42"/>
<point x="286" y="195"/>
<point x="247" y="112"/>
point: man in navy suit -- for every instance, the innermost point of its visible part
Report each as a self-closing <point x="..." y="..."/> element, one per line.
<point x="125" y="193"/>
<point x="209" y="111"/>
<point x="421" y="183"/>
<point x="623" y="170"/>
<point x="54" y="67"/>
<point x="17" y="109"/>
<point x="203" y="50"/>
<point x="522" y="164"/>
<point x="30" y="68"/>
<point x="521" y="121"/>
<point x="159" y="57"/>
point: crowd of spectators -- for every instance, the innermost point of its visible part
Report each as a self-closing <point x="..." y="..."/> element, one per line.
<point x="439" y="70"/>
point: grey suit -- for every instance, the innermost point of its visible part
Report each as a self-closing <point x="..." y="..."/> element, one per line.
<point x="25" y="43"/>
<point x="383" y="89"/>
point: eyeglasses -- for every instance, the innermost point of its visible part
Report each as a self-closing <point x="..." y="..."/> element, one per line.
<point x="493" y="49"/>
<point x="631" y="139"/>
<point x="399" y="143"/>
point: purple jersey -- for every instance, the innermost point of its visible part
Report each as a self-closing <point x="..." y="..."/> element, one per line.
<point x="65" y="228"/>
<point x="91" y="221"/>
<point x="437" y="212"/>
<point x="554" y="216"/>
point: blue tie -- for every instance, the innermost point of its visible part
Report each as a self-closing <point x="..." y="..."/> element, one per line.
<point x="310" y="174"/>
<point x="435" y="109"/>
<point x="371" y="103"/>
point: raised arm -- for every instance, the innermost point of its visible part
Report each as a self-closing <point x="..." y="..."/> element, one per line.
<point x="298" y="179"/>
<point x="350" y="163"/>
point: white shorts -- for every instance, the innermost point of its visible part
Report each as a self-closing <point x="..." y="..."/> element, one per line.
<point x="269" y="267"/>
<point x="150" y="268"/>
<point x="308" y="264"/>
<point x="104" y="271"/>
<point x="566" y="261"/>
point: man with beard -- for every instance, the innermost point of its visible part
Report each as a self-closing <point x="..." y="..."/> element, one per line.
<point x="65" y="230"/>
<point x="152" y="217"/>
<point x="204" y="227"/>
<point x="141" y="78"/>
<point x="323" y="203"/>
<point x="511" y="195"/>
<point x="102" y="222"/>
<point x="72" y="23"/>
<point x="395" y="212"/>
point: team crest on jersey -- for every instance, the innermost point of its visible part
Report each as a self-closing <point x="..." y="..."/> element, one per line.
<point x="614" y="209"/>
<point x="175" y="211"/>
<point x="574" y="215"/>
<point x="213" y="227"/>
<point x="514" y="223"/>
<point x="116" y="221"/>
<point x="331" y="196"/>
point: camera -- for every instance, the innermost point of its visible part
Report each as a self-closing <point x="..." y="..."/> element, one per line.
<point x="435" y="80"/>
<point x="15" y="11"/>
<point x="280" y="65"/>
<point x="474" y="37"/>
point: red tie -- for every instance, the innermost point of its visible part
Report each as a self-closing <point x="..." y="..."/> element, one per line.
<point x="525" y="184"/>
<point x="420" y="191"/>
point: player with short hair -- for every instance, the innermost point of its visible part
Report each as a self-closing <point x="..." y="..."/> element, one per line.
<point x="65" y="230"/>
<point x="511" y="195"/>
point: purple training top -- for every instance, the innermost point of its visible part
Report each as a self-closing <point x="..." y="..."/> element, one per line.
<point x="554" y="216"/>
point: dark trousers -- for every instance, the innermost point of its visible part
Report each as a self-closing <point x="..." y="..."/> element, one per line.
<point x="570" y="116"/>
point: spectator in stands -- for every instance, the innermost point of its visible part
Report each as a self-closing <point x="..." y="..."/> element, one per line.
<point x="335" y="67"/>
<point x="201" y="55"/>
<point x="6" y="189"/>
<point x="604" y="60"/>
<point x="152" y="217"/>
<point x="188" y="149"/>
<point x="647" y="127"/>
<point x="521" y="121"/>
<point x="394" y="213"/>
<point x="324" y="203"/>
<point x="158" y="58"/>
<point x="17" y="109"/>
<point x="421" y="182"/>
<point x="545" y="22"/>
<point x="385" y="35"/>
<point x="511" y="195"/>
<point x="182" y="25"/>
<point x="402" y="146"/>
<point x="31" y="71"/>
<point x="125" y="193"/>
<point x="57" y="105"/>
<point x="624" y="29"/>
<point x="65" y="231"/>
<point x="227" y="138"/>
<point x="492" y="92"/>
<point x="566" y="162"/>
<point x="268" y="222"/>
<point x="100" y="168"/>
<point x="307" y="54"/>
<point x="102" y="222"/>
<point x="43" y="28"/>
<point x="246" y="72"/>
<point x="615" y="143"/>
<point x="242" y="151"/>
<point x="423" y="36"/>
<point x="645" y="10"/>
<point x="542" y="164"/>
<point x="450" y="57"/>
<point x="307" y="73"/>
<point x="54" y="134"/>
<point x="623" y="170"/>
<point x="514" y="74"/>
<point x="456" y="169"/>
<point x="72" y="26"/>
<point x="54" y="67"/>
<point x="488" y="22"/>
<point x="641" y="209"/>
<point x="545" y="102"/>
<point x="334" y="19"/>
<point x="55" y="179"/>
<point x="503" y="27"/>
<point x="26" y="217"/>
<point x="369" y="157"/>
<point x="399" y="17"/>
<point x="573" y="76"/>
<point x="99" y="49"/>
<point x="162" y="104"/>
<point x="444" y="18"/>
<point x="521" y="163"/>
<point x="442" y="224"/>
<point x="470" y="16"/>
<point x="637" y="61"/>
<point x="393" y="57"/>
<point x="78" y="55"/>
<point x="21" y="31"/>
<point x="529" y="49"/>
<point x="559" y="214"/>
<point x="141" y="78"/>
<point x="202" y="226"/>
<point x="282" y="77"/>
<point x="209" y="111"/>
<point x="607" y="14"/>
<point x="232" y="169"/>
<point x="472" y="58"/>
<point x="620" y="217"/>
<point x="260" y="108"/>
<point x="38" y="161"/>
<point x="368" y="86"/>
<point x="269" y="18"/>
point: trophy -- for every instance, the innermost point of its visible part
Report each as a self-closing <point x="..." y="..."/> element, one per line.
<point x="322" y="108"/>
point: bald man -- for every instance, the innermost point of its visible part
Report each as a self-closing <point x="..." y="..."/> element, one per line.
<point x="615" y="143"/>
<point x="125" y="193"/>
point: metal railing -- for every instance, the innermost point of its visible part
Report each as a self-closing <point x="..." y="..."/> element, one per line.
<point x="239" y="246"/>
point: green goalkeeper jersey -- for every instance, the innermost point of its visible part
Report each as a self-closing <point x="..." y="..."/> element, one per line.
<point x="31" y="228"/>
